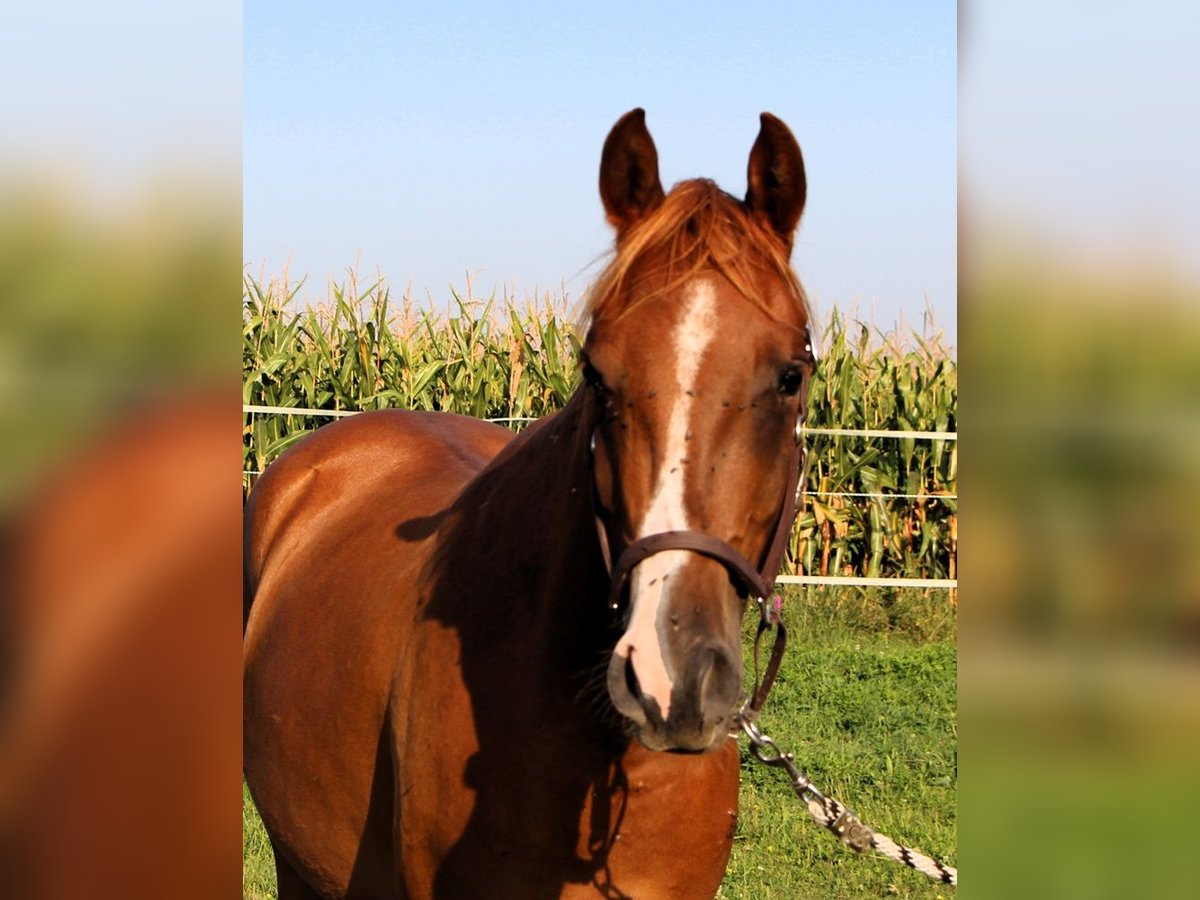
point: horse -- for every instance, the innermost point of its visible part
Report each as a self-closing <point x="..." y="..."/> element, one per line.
<point x="479" y="664"/>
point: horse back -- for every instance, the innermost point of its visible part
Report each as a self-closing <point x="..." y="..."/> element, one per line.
<point x="357" y="463"/>
<point x="337" y="531"/>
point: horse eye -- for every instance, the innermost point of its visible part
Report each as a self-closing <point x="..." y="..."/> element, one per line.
<point x="593" y="379"/>
<point x="790" y="381"/>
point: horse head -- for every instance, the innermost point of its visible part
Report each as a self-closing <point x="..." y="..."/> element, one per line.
<point x="697" y="360"/>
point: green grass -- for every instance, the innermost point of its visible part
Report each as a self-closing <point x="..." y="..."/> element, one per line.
<point x="258" y="864"/>
<point x="866" y="699"/>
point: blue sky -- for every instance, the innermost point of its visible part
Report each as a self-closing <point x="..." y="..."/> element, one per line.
<point x="118" y="95"/>
<point x="435" y="140"/>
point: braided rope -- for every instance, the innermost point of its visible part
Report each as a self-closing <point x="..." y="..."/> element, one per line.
<point x="833" y="815"/>
<point x="829" y="813"/>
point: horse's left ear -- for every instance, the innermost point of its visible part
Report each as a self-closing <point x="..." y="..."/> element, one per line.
<point x="775" y="177"/>
<point x="629" y="184"/>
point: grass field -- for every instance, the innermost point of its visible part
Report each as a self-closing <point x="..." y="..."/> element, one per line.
<point x="866" y="699"/>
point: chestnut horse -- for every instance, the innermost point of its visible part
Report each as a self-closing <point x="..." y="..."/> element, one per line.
<point x="448" y="690"/>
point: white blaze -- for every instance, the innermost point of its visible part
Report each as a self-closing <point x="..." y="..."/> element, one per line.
<point x="650" y="579"/>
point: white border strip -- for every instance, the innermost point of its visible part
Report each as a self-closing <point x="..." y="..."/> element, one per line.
<point x="868" y="582"/>
<point x="877" y="432"/>
<point x="339" y="413"/>
<point x="300" y="411"/>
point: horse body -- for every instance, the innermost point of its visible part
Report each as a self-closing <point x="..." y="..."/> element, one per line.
<point x="440" y="699"/>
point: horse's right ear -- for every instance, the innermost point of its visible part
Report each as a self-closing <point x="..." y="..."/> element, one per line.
<point x="629" y="184"/>
<point x="777" y="185"/>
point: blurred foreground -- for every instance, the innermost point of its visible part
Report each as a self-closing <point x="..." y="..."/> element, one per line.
<point x="1079" y="675"/>
<point x="1079" y="670"/>
<point x="120" y="605"/>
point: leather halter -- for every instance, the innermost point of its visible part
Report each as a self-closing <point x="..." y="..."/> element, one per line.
<point x="758" y="582"/>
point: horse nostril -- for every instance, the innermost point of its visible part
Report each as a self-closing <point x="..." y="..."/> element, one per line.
<point x="623" y="688"/>
<point x="719" y="683"/>
<point x="631" y="682"/>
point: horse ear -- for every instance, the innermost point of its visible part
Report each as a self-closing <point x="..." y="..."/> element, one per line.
<point x="629" y="184"/>
<point x="775" y="177"/>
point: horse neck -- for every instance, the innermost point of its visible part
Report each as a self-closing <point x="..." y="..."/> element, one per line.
<point x="520" y="578"/>
<point x="532" y="508"/>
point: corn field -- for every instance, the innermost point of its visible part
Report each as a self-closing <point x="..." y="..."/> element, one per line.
<point x="504" y="360"/>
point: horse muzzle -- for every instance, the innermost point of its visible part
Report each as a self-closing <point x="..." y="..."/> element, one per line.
<point x="676" y="671"/>
<point x="701" y="705"/>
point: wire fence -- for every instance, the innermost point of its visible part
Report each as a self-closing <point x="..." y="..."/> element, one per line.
<point x="836" y="432"/>
<point x="827" y="580"/>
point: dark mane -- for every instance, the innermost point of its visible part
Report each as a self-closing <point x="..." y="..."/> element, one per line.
<point x="697" y="226"/>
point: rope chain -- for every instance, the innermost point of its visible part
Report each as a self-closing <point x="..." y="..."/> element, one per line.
<point x="833" y="815"/>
